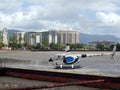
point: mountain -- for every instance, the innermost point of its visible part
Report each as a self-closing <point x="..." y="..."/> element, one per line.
<point x="86" y="38"/>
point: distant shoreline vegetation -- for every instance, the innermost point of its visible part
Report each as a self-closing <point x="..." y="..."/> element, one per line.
<point x="79" y="47"/>
<point x="59" y="47"/>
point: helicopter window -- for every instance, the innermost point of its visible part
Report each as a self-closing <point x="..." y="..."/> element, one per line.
<point x="59" y="57"/>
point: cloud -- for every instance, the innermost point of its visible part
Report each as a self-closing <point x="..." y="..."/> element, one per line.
<point x="95" y="16"/>
<point x="108" y="23"/>
<point x="108" y="19"/>
<point x="9" y="7"/>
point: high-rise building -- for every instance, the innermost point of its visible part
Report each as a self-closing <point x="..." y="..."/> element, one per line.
<point x="68" y="36"/>
<point x="50" y="36"/>
<point x="43" y="37"/>
<point x="33" y="38"/>
<point x="19" y="37"/>
<point x="46" y="37"/>
<point x="1" y="40"/>
<point x="5" y="36"/>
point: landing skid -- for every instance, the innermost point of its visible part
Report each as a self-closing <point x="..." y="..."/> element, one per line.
<point x="67" y="67"/>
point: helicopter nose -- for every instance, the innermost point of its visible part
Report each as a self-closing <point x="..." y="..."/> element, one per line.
<point x="50" y="60"/>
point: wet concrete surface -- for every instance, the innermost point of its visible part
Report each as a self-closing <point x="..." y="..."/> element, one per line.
<point x="98" y="65"/>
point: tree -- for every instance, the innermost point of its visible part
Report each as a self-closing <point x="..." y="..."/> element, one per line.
<point x="13" y="43"/>
<point x="56" y="46"/>
<point x="77" y="46"/>
<point x="111" y="47"/>
<point x="45" y="42"/>
<point x="118" y="46"/>
<point x="37" y="46"/>
<point x="72" y="46"/>
<point x="1" y="45"/>
<point x="100" y="46"/>
<point x="80" y="45"/>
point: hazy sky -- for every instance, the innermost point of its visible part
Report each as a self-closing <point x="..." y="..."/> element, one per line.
<point x="87" y="16"/>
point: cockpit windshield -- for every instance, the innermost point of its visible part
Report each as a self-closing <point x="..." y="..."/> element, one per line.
<point x="60" y="57"/>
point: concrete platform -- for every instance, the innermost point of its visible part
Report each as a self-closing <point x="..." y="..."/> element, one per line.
<point x="98" y="65"/>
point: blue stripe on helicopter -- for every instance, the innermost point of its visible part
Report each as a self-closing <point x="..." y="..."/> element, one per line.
<point x="83" y="55"/>
<point x="70" y="60"/>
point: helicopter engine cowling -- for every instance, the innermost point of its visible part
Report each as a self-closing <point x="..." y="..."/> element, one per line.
<point x="70" y="59"/>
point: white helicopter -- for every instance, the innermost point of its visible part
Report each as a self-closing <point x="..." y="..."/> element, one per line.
<point x="72" y="60"/>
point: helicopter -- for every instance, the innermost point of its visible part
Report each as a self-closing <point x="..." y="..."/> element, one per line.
<point x="72" y="60"/>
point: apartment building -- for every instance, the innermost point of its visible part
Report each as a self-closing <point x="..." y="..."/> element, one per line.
<point x="41" y="37"/>
<point x="50" y="36"/>
<point x="5" y="36"/>
<point x="46" y="37"/>
<point x="105" y="43"/>
<point x="68" y="36"/>
<point x="32" y="38"/>
<point x="19" y="37"/>
<point x="1" y="37"/>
